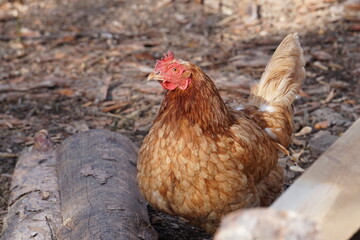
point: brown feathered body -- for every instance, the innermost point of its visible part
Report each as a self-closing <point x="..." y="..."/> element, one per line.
<point x="202" y="159"/>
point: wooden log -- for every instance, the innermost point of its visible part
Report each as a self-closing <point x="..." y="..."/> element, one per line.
<point x="34" y="206"/>
<point x="99" y="194"/>
<point x="266" y="223"/>
<point x="329" y="191"/>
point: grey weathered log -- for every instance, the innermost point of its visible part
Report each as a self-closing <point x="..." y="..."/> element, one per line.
<point x="99" y="194"/>
<point x="34" y="206"/>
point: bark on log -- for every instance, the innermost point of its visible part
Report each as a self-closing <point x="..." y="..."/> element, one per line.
<point x="34" y="206"/>
<point x="99" y="194"/>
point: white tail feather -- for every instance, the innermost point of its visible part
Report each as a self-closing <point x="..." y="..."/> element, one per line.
<point x="283" y="75"/>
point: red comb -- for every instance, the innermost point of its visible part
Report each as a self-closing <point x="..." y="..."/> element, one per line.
<point x="169" y="57"/>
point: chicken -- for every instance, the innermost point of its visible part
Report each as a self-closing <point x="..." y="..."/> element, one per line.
<point x="201" y="159"/>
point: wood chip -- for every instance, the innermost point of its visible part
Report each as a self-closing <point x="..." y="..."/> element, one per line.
<point x="321" y="55"/>
<point x="330" y="96"/>
<point x="116" y="106"/>
<point x="8" y="155"/>
<point x="304" y="131"/>
<point x="161" y="4"/>
<point x="87" y="104"/>
<point x="335" y="66"/>
<point x="68" y="92"/>
<point x="322" y="89"/>
<point x="296" y="168"/>
<point x="339" y="84"/>
<point x="2" y="212"/>
<point x="322" y="125"/>
<point x="295" y="156"/>
<point x="320" y="66"/>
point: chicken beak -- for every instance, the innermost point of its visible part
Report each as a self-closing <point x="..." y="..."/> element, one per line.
<point x="155" y="77"/>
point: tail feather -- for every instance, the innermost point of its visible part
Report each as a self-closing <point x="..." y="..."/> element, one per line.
<point x="277" y="89"/>
<point x="283" y="75"/>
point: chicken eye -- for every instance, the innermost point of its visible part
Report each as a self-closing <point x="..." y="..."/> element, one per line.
<point x="174" y="69"/>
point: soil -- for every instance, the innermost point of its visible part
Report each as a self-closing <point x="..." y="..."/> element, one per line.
<point x="69" y="66"/>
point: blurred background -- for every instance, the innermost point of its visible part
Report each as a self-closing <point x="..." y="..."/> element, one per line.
<point x="73" y="65"/>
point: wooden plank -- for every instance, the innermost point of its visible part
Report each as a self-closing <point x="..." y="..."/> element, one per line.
<point x="329" y="191"/>
<point x="99" y="194"/>
<point x="266" y="224"/>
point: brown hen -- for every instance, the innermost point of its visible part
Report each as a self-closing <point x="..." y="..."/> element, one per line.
<point x="201" y="159"/>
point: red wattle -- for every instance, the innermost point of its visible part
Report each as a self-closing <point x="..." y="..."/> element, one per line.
<point x="168" y="85"/>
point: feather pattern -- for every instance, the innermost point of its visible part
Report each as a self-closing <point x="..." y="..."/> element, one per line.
<point x="202" y="160"/>
<point x="277" y="89"/>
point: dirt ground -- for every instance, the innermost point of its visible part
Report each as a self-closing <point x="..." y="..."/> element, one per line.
<point x="69" y="66"/>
